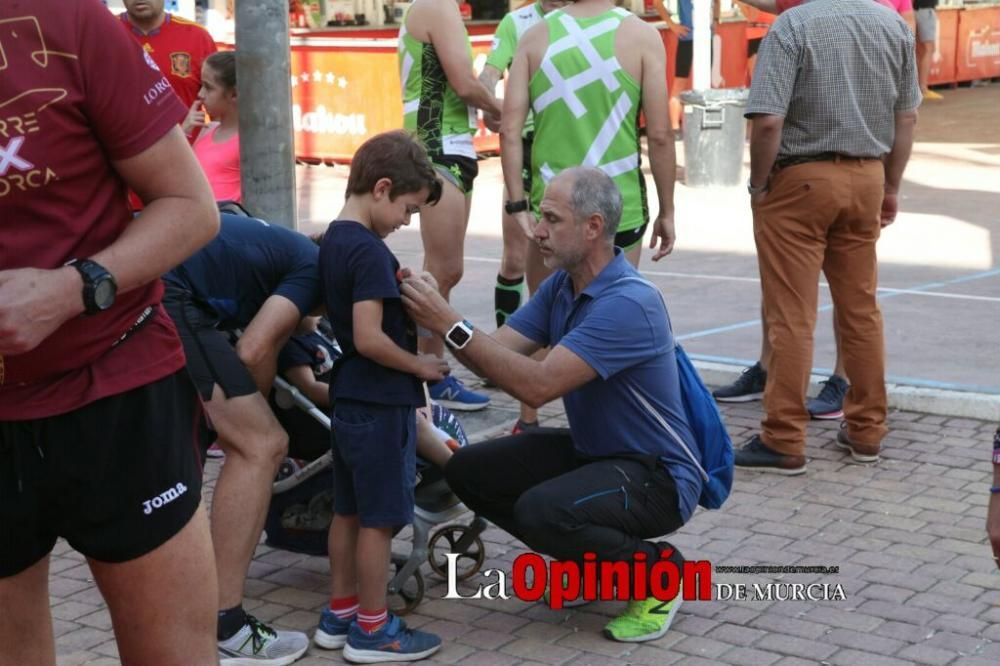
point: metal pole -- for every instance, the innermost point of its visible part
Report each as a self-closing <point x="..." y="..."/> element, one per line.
<point x="263" y="72"/>
<point x="701" y="18"/>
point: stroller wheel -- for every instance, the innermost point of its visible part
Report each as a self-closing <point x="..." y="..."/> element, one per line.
<point x="459" y="539"/>
<point x="405" y="595"/>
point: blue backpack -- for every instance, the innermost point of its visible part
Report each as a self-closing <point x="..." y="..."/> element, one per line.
<point x="710" y="436"/>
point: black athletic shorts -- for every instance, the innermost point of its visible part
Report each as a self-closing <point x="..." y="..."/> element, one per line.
<point x="685" y="54"/>
<point x="458" y="170"/>
<point x="526" y="142"/>
<point x="626" y="240"/>
<point x="211" y="357"/>
<point x="116" y="478"/>
<point x="753" y="45"/>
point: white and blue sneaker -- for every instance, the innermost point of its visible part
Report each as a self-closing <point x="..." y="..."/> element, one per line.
<point x="452" y="394"/>
<point x="392" y="642"/>
<point x="331" y="634"/>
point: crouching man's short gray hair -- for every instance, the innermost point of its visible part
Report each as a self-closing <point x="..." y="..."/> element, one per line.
<point x="594" y="193"/>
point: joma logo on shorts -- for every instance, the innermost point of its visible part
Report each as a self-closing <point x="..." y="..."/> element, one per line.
<point x="164" y="498"/>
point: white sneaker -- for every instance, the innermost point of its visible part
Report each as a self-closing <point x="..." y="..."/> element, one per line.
<point x="256" y="644"/>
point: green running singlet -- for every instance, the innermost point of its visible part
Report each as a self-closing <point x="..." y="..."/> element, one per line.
<point x="513" y="25"/>
<point x="587" y="110"/>
<point x="441" y="120"/>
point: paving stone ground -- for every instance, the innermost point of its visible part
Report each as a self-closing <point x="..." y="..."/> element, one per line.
<point x="907" y="535"/>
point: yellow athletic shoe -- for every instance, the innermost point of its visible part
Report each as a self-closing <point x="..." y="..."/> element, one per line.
<point x="933" y="96"/>
<point x="644" y="620"/>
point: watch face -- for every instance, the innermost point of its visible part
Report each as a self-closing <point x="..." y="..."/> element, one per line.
<point x="104" y="294"/>
<point x="459" y="336"/>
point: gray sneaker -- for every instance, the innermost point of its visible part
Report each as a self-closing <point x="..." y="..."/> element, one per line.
<point x="257" y="644"/>
<point x="748" y="386"/>
<point x="829" y="404"/>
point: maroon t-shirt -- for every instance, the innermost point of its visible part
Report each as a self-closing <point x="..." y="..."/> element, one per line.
<point x="76" y="93"/>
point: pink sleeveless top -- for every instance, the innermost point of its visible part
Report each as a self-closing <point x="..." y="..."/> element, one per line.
<point x="221" y="163"/>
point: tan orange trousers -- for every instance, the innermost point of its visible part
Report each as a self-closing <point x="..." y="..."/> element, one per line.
<point x="821" y="216"/>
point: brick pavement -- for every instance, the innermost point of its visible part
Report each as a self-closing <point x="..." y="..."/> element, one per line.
<point x="907" y="534"/>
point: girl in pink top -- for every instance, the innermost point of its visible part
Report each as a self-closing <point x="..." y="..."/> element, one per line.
<point x="218" y="145"/>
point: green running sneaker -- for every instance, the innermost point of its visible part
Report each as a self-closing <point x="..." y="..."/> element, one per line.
<point x="644" y="620"/>
<point x="567" y="603"/>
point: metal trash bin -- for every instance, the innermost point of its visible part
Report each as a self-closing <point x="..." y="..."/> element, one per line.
<point x="714" y="133"/>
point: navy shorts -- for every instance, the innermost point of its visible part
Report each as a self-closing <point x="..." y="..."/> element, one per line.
<point x="116" y="478"/>
<point x="374" y="462"/>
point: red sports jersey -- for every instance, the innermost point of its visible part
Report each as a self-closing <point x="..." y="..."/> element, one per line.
<point x="178" y="47"/>
<point x="76" y="94"/>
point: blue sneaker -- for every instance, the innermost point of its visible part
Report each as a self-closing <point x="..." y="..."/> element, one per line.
<point x="452" y="394"/>
<point x="331" y="634"/>
<point x="393" y="642"/>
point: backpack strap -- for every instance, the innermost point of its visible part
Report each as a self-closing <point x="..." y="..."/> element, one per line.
<point x="641" y="399"/>
<point x="670" y="430"/>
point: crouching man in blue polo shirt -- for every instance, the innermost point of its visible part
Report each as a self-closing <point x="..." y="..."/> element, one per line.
<point x="615" y="479"/>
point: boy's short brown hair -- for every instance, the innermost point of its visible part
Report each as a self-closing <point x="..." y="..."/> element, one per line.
<point x="398" y="156"/>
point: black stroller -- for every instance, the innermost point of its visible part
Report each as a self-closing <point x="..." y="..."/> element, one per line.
<point x="300" y="510"/>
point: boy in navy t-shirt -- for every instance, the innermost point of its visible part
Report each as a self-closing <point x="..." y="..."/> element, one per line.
<point x="375" y="391"/>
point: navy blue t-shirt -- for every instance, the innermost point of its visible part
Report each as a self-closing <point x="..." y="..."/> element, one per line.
<point x="248" y="262"/>
<point x="355" y="266"/>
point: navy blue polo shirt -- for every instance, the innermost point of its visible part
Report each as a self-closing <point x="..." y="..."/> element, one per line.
<point x="356" y="265"/>
<point x="248" y="262"/>
<point x="621" y="329"/>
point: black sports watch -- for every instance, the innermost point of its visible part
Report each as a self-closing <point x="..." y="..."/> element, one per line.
<point x="459" y="334"/>
<point x="99" y="286"/>
<point x="516" y="206"/>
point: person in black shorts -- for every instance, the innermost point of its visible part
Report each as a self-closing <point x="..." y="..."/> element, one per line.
<point x="262" y="279"/>
<point x="440" y="98"/>
<point x="96" y="413"/>
<point x="683" y="28"/>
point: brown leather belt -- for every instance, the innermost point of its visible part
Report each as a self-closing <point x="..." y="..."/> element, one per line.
<point x="792" y="160"/>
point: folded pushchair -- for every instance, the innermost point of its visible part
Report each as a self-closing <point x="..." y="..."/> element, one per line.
<point x="300" y="510"/>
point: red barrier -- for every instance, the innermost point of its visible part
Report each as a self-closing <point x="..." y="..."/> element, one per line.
<point x="978" y="52"/>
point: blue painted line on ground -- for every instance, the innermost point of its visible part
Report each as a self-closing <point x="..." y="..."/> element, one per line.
<point x="892" y="379"/>
<point x="823" y="308"/>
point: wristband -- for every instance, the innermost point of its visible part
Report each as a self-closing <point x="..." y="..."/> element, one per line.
<point x="995" y="489"/>
<point x="996" y="456"/>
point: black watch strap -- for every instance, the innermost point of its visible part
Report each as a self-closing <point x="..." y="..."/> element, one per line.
<point x="516" y="206"/>
<point x="99" y="285"/>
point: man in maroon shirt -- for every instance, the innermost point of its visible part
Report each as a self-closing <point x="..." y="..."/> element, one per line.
<point x="97" y="414"/>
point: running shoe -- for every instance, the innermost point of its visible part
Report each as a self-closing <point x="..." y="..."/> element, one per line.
<point x="452" y="394"/>
<point x="331" y="634"/>
<point x="257" y="644"/>
<point x="392" y="642"/>
<point x="644" y="620"/>
<point x="748" y="386"/>
<point x="829" y="404"/>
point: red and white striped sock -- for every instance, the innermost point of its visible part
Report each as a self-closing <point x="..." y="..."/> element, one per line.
<point x="345" y="608"/>
<point x="371" y="621"/>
